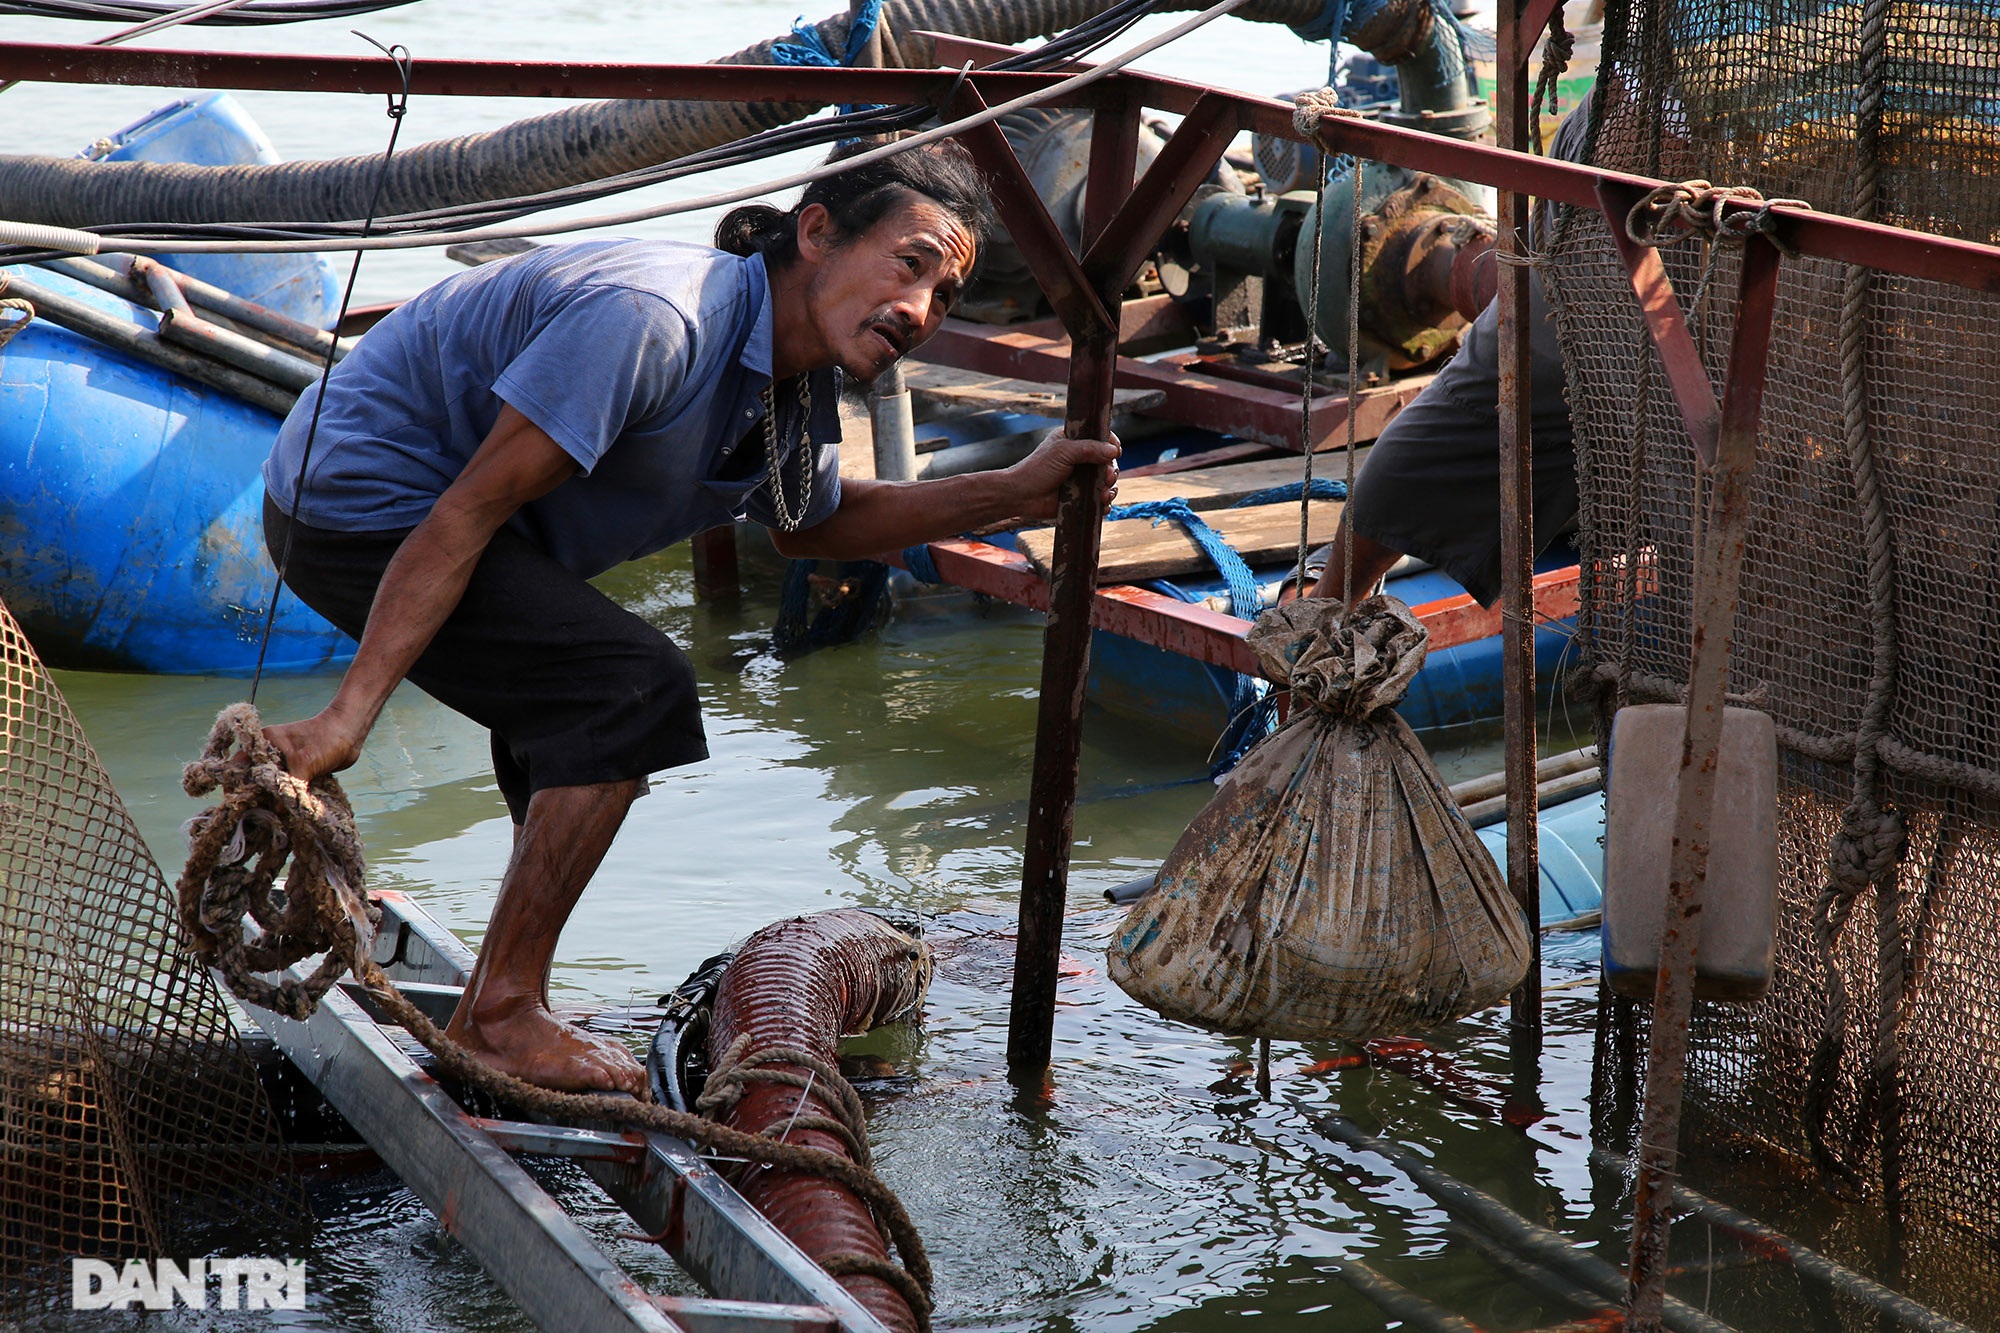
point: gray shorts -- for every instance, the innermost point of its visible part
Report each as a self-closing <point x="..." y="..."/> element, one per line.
<point x="1431" y="485"/>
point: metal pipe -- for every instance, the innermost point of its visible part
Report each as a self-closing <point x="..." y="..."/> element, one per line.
<point x="112" y="273"/>
<point x="1495" y="784"/>
<point x="894" y="425"/>
<point x="114" y="332"/>
<point x="1718" y="570"/>
<point x="1527" y="1272"/>
<point x="1855" y="1286"/>
<point x="1399" y="1302"/>
<point x="1517" y="525"/>
<point x="179" y="324"/>
<point x="1536" y="1243"/>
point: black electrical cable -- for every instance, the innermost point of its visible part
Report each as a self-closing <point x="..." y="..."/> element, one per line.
<point x="1071" y="45"/>
<point x="254" y="13"/>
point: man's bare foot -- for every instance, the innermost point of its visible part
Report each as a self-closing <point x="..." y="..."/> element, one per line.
<point x="518" y="1035"/>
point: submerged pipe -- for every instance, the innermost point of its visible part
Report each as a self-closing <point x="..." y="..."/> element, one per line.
<point x="796" y="987"/>
<point x="1895" y="1306"/>
<point x="1536" y="1243"/>
<point x="566" y="147"/>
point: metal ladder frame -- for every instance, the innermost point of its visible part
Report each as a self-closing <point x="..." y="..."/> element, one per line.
<point x="461" y="1166"/>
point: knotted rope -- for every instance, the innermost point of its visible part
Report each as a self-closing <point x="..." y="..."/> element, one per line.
<point x="27" y="309"/>
<point x="1671" y="214"/>
<point x="268" y="817"/>
<point x="731" y="1077"/>
<point x="1868" y="848"/>
<point x="1556" y="53"/>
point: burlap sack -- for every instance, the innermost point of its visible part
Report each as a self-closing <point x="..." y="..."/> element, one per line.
<point x="1331" y="888"/>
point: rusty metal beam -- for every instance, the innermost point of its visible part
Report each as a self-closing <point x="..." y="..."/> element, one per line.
<point x="1686" y="375"/>
<point x="1247" y="410"/>
<point x="1717" y="576"/>
<point x="1828" y="236"/>
<point x="1198" y="143"/>
<point x="1194" y="631"/>
<point x="1093" y="331"/>
<point x="1034" y="232"/>
<point x="1517" y="524"/>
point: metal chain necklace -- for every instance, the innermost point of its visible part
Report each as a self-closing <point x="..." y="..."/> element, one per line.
<point x="789" y="516"/>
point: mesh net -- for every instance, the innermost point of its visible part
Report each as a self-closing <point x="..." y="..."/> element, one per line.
<point x="132" y="1122"/>
<point x="1869" y="624"/>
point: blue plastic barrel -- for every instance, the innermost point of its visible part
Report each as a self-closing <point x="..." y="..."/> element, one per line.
<point x="130" y="510"/>
<point x="1571" y="844"/>
<point x="215" y="131"/>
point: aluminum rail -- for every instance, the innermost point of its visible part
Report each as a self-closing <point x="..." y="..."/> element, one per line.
<point x="667" y="1187"/>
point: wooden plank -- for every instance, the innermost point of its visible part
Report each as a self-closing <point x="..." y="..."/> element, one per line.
<point x="948" y="386"/>
<point x="1134" y="550"/>
<point x="1220" y="487"/>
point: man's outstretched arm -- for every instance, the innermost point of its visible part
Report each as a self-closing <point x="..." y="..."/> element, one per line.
<point x="878" y="516"/>
<point x="516" y="463"/>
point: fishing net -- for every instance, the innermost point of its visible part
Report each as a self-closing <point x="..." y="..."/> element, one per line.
<point x="132" y="1122"/>
<point x="1869" y="624"/>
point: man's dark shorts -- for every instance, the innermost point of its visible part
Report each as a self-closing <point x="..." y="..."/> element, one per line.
<point x="575" y="689"/>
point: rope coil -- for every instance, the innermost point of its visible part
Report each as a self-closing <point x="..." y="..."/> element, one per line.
<point x="267" y="818"/>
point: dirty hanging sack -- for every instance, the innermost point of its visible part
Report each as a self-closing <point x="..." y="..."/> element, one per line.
<point x="1331" y="888"/>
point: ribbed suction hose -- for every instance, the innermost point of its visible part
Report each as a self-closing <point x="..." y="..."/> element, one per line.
<point x="566" y="147"/>
<point x="794" y="988"/>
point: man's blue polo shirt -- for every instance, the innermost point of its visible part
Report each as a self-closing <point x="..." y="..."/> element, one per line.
<point x="644" y="360"/>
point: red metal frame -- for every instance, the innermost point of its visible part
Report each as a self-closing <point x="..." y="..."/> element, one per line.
<point x="1086" y="294"/>
<point x="1192" y="630"/>
<point x="1873" y="245"/>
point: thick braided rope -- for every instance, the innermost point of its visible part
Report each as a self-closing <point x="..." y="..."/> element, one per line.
<point x="1868" y="848"/>
<point x="267" y="817"/>
<point x="740" y="1067"/>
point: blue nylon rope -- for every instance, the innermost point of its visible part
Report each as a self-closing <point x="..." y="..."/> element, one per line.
<point x="917" y="560"/>
<point x="807" y="47"/>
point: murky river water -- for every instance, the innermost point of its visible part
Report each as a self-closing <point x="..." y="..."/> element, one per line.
<point x="1158" y="1191"/>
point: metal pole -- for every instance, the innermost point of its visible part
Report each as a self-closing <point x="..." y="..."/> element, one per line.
<point x="1066" y="644"/>
<point x="1517" y="527"/>
<point x="1717" y="573"/>
<point x="894" y="427"/>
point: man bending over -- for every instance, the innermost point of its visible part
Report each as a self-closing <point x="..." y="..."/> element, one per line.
<point x="524" y="426"/>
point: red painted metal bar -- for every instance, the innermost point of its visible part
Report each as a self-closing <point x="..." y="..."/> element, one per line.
<point x="1197" y="144"/>
<point x="1717" y="578"/>
<point x="1108" y="182"/>
<point x="1246" y="410"/>
<point x="1686" y="374"/>
<point x="1874" y="245"/>
<point x="1517" y="524"/>
<point x="1194" y="631"/>
<point x="49" y="63"/>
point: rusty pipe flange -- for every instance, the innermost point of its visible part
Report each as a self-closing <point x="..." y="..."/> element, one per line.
<point x="1413" y="226"/>
<point x="1475" y="273"/>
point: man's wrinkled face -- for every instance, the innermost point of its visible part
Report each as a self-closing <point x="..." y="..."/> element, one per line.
<point x="875" y="297"/>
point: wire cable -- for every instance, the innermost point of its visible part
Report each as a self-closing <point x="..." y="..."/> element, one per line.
<point x="465" y="223"/>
